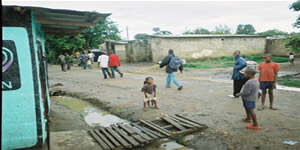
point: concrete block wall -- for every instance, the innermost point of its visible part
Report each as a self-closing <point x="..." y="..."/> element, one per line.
<point x="205" y="47"/>
<point x="276" y="47"/>
<point x="138" y="51"/>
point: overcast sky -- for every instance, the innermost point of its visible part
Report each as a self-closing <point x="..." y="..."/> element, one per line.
<point x="141" y="17"/>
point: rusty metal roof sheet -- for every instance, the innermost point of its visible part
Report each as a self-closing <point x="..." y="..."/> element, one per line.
<point x="62" y="21"/>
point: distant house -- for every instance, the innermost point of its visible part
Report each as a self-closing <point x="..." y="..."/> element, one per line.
<point x="119" y="47"/>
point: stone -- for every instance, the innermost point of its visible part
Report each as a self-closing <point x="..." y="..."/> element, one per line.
<point x="188" y="138"/>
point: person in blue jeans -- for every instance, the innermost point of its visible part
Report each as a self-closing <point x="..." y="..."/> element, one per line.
<point x="171" y="72"/>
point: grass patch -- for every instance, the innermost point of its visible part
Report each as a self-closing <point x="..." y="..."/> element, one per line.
<point x="226" y="61"/>
<point x="290" y="81"/>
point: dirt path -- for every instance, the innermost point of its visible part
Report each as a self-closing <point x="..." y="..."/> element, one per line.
<point x="204" y="98"/>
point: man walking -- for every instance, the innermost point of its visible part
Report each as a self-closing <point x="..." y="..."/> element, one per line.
<point x="103" y="63"/>
<point x="83" y="59"/>
<point x="62" y="61"/>
<point x="172" y="63"/>
<point x="238" y="78"/>
<point x="68" y="61"/>
<point x="114" y="62"/>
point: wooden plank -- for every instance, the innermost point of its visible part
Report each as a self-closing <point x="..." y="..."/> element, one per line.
<point x="99" y="140"/>
<point x="186" y="121"/>
<point x="61" y="22"/>
<point x="145" y="136"/>
<point x="155" y="128"/>
<point x="158" y="126"/>
<point x="139" y="138"/>
<point x="104" y="139"/>
<point x="182" y="123"/>
<point x="191" y="120"/>
<point x="128" y="130"/>
<point x="113" y="140"/>
<point x="145" y="131"/>
<point x="125" y="136"/>
<point x="120" y="139"/>
<point x="156" y="133"/>
<point x="178" y="126"/>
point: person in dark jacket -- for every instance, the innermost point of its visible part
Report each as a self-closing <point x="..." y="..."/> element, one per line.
<point x="238" y="78"/>
<point x="171" y="75"/>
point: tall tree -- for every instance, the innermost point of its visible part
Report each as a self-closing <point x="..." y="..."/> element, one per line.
<point x="296" y="7"/>
<point x="104" y="30"/>
<point x="198" y="30"/>
<point x="140" y="36"/>
<point x="157" y="31"/>
<point x="293" y="41"/>
<point x="272" y="32"/>
<point x="222" y="29"/>
<point x="245" y="29"/>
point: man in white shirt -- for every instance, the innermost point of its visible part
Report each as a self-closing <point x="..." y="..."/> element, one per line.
<point x="103" y="62"/>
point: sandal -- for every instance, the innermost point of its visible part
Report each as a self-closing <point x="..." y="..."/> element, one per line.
<point x="253" y="127"/>
<point x="261" y="108"/>
<point x="246" y="120"/>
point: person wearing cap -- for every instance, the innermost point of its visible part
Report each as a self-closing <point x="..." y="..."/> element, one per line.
<point x="238" y="78"/>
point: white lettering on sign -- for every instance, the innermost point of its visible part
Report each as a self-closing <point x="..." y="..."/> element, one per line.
<point x="6" y="85"/>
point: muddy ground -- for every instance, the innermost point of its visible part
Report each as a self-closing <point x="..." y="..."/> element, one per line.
<point x="203" y="98"/>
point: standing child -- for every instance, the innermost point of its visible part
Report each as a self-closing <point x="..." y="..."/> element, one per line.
<point x="292" y="59"/>
<point x="149" y="90"/>
<point x="249" y="96"/>
<point x="89" y="63"/>
<point x="268" y="78"/>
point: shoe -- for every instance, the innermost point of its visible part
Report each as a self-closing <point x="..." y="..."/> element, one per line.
<point x="253" y="127"/>
<point x="180" y="88"/>
<point x="121" y="75"/>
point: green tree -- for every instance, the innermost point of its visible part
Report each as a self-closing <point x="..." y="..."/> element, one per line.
<point x="141" y="36"/>
<point x="222" y="29"/>
<point x="293" y="42"/>
<point x="197" y="31"/>
<point x="157" y="31"/>
<point x="247" y="29"/>
<point x="273" y="32"/>
<point x="104" y="30"/>
<point x="296" y="7"/>
<point x="56" y="44"/>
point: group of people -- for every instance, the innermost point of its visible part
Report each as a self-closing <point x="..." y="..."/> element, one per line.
<point x="65" y="60"/>
<point x="112" y="61"/>
<point x="247" y="86"/>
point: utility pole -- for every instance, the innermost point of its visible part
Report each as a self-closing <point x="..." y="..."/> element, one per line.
<point x="127" y="33"/>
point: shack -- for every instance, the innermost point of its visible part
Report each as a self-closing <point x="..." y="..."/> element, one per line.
<point x="25" y="98"/>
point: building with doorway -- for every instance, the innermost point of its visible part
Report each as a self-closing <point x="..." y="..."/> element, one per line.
<point x="25" y="93"/>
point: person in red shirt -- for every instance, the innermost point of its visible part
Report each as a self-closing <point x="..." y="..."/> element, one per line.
<point x="114" y="62"/>
<point x="268" y="78"/>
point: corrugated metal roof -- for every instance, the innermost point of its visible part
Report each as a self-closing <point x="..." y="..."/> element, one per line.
<point x="62" y="21"/>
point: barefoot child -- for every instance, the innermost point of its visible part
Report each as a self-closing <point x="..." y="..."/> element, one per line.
<point x="268" y="78"/>
<point x="149" y="90"/>
<point x="249" y="96"/>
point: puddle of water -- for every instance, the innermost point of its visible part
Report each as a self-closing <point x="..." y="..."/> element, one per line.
<point x="166" y="144"/>
<point x="93" y="116"/>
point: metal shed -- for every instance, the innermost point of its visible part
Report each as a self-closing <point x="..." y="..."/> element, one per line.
<point x="61" y="21"/>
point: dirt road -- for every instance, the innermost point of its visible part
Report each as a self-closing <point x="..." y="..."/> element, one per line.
<point x="203" y="98"/>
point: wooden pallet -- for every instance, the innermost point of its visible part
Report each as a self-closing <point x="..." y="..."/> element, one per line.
<point x="138" y="134"/>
